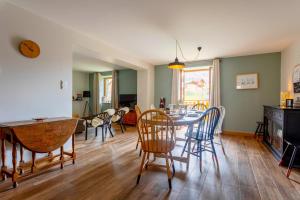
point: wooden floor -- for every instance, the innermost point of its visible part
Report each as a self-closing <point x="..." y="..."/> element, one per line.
<point x="108" y="171"/>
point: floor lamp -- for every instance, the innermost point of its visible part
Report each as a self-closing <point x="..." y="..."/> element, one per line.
<point x="86" y="94"/>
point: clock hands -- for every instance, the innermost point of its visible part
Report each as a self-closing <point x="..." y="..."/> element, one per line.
<point x="28" y="47"/>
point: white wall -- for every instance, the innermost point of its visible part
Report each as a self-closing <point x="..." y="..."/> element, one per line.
<point x="290" y="57"/>
<point x="31" y="87"/>
<point x="145" y="88"/>
<point x="80" y="84"/>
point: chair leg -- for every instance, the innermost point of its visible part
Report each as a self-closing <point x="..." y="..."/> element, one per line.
<point x="86" y="131"/>
<point x="148" y="155"/>
<point x="291" y="162"/>
<point x="221" y="142"/>
<point x="111" y="134"/>
<point x="102" y="134"/>
<point x="200" y="154"/>
<point x="183" y="150"/>
<point x="194" y="146"/>
<point x="121" y="127"/>
<point x="96" y="131"/>
<point x="141" y="168"/>
<point x="124" y="126"/>
<point x="137" y="144"/>
<point x="286" y="148"/>
<point x="214" y="151"/>
<point x="256" y="131"/>
<point x="173" y="166"/>
<point x="168" y="172"/>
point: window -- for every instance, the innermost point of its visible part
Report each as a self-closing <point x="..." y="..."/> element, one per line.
<point x="195" y="85"/>
<point x="107" y="88"/>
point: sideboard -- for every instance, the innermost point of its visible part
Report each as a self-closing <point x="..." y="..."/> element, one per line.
<point x="281" y="123"/>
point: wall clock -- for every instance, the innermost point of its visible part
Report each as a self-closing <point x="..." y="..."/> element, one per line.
<point x="29" y="49"/>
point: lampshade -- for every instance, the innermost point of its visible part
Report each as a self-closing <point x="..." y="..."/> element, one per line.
<point x="176" y="64"/>
<point x="86" y="94"/>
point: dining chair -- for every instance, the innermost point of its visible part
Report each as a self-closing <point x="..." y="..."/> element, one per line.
<point x="199" y="106"/>
<point x="101" y="120"/>
<point x="157" y="133"/>
<point x="204" y="134"/>
<point x="218" y="130"/>
<point x="138" y="114"/>
<point x="118" y="118"/>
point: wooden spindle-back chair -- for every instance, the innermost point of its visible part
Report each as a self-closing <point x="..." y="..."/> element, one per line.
<point x="157" y="135"/>
<point x="138" y="114"/>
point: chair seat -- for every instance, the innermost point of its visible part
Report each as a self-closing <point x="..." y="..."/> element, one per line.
<point x="260" y="123"/>
<point x="97" y="122"/>
<point x="115" y="118"/>
<point x="158" y="146"/>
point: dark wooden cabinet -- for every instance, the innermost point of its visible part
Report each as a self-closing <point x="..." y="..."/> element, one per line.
<point x="280" y="124"/>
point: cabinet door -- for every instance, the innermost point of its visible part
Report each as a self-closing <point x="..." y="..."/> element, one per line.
<point x="277" y="137"/>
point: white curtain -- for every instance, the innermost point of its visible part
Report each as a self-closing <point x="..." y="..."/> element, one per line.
<point x="215" y="96"/>
<point x="96" y="93"/>
<point x="176" y="82"/>
<point x="115" y="90"/>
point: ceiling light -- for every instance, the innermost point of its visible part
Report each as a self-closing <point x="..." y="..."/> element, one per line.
<point x="176" y="64"/>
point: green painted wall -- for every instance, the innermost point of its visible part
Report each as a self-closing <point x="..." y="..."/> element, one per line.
<point x="109" y="73"/>
<point x="127" y="81"/>
<point x="243" y="107"/>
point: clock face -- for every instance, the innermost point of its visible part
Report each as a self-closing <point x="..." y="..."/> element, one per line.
<point x="29" y="49"/>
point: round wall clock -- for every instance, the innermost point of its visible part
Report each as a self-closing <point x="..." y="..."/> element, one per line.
<point x="29" y="49"/>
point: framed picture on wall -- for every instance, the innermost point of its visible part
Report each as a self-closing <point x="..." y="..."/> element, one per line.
<point x="247" y="81"/>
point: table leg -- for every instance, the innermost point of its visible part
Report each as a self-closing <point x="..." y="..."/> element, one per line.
<point x="21" y="157"/>
<point x="73" y="149"/>
<point x="33" y="161"/>
<point x="62" y="157"/>
<point x="190" y="130"/>
<point x="3" y="158"/>
<point x="86" y="129"/>
<point x="14" y="162"/>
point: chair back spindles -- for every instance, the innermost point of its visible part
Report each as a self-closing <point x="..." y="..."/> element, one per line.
<point x="208" y="124"/>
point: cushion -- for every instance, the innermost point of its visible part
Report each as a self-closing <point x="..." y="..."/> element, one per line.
<point x="110" y="111"/>
<point x="115" y="118"/>
<point x="97" y="122"/>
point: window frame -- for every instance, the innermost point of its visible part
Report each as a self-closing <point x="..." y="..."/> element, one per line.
<point x="182" y="81"/>
<point x="104" y="85"/>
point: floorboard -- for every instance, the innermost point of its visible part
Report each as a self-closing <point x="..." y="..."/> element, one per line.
<point x="108" y="171"/>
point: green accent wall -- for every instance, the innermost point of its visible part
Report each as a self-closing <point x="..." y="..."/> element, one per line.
<point x="163" y="84"/>
<point x="127" y="81"/>
<point x="243" y="107"/>
<point x="109" y="73"/>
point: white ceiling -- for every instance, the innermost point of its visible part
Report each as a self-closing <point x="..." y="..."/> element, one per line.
<point x="87" y="63"/>
<point x="148" y="28"/>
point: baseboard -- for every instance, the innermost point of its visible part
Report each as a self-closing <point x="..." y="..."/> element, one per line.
<point x="231" y="132"/>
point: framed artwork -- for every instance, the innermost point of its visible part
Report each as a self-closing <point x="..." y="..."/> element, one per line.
<point x="247" y="81"/>
<point x="296" y="79"/>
